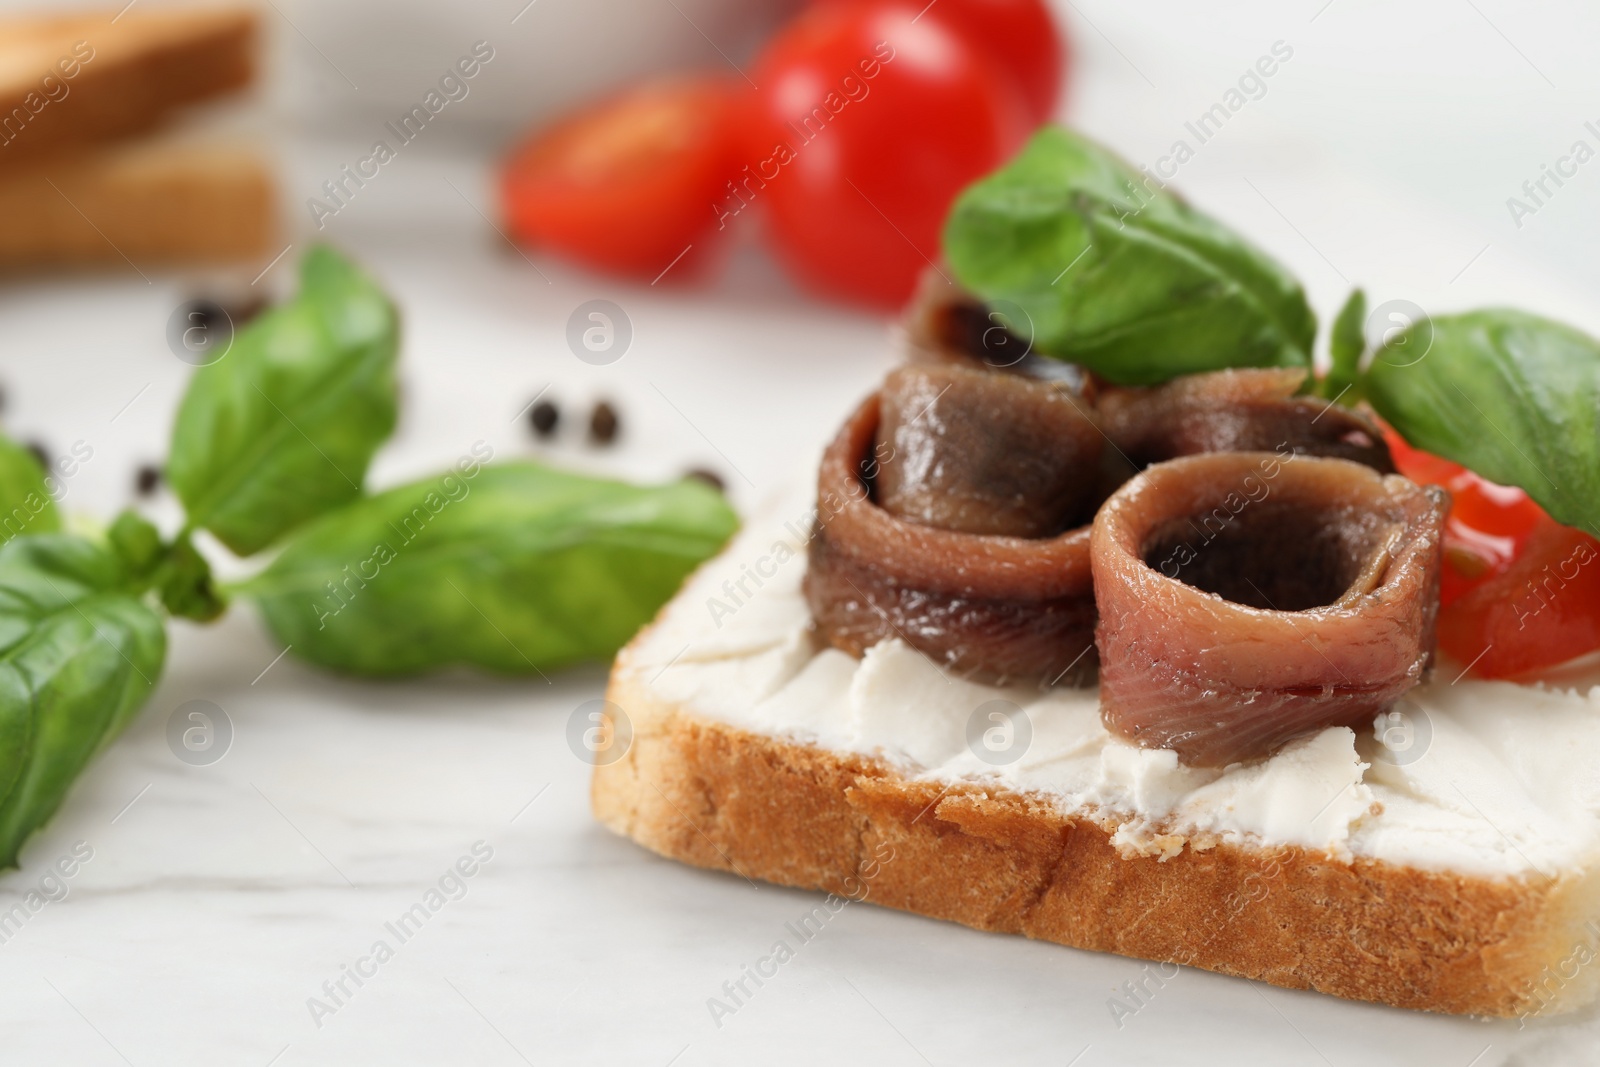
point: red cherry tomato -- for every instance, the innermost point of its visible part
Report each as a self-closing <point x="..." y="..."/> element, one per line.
<point x="1541" y="611"/>
<point x="627" y="184"/>
<point x="1021" y="36"/>
<point x="1520" y="592"/>
<point x="1487" y="526"/>
<point x="869" y="122"/>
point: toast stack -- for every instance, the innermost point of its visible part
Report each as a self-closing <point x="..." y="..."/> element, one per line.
<point x="91" y="172"/>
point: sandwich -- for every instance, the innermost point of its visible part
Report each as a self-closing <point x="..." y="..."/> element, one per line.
<point x="1151" y="669"/>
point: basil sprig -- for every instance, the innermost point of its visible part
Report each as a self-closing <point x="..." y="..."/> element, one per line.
<point x="282" y="427"/>
<point x="513" y="567"/>
<point x="1117" y="274"/>
<point x="1108" y="270"/>
<point x="1510" y="395"/>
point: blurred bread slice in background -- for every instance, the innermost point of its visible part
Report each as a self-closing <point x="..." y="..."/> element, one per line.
<point x="83" y="182"/>
<point x="68" y="80"/>
<point x="146" y="202"/>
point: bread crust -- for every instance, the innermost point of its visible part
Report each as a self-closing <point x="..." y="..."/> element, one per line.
<point x="717" y="796"/>
<point x="144" y="64"/>
<point x="144" y="203"/>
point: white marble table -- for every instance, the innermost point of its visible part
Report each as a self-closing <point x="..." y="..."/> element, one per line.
<point x="220" y="900"/>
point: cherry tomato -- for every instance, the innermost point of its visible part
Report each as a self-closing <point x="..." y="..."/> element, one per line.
<point x="1487" y="524"/>
<point x="1541" y="611"/>
<point x="627" y="184"/>
<point x="869" y="122"/>
<point x="1520" y="592"/>
<point x="1021" y="36"/>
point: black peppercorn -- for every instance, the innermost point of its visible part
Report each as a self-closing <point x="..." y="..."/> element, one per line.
<point x="711" y="478"/>
<point x="146" y="479"/>
<point x="604" y="425"/>
<point x="544" y="417"/>
<point x="245" y="310"/>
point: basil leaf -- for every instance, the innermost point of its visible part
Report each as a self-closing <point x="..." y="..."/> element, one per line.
<point x="79" y="655"/>
<point x="283" y="426"/>
<point x="513" y="567"/>
<point x="1346" y="345"/>
<point x="1510" y="395"/>
<point x="26" y="505"/>
<point x="1118" y="275"/>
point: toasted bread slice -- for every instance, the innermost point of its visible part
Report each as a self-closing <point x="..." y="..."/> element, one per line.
<point x="738" y="766"/>
<point x="138" y="203"/>
<point x="72" y="80"/>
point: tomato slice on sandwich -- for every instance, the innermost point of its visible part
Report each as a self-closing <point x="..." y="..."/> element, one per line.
<point x="1520" y="592"/>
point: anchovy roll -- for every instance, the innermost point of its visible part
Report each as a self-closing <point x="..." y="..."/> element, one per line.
<point x="961" y="331"/>
<point x="985" y="453"/>
<point x="945" y="326"/>
<point x="1244" y="410"/>
<point x="1247" y="598"/>
<point x="999" y="604"/>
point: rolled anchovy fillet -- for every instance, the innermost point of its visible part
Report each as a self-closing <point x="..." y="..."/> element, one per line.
<point x="1248" y="598"/>
<point x="1239" y="410"/>
<point x="997" y="608"/>
<point x="947" y="325"/>
<point x="1243" y="410"/>
<point x="983" y="453"/>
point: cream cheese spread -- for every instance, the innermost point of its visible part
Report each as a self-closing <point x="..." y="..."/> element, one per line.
<point x="1483" y="778"/>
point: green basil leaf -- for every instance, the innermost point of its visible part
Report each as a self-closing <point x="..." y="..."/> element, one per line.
<point x="79" y="655"/>
<point x="26" y="505"/>
<point x="1510" y="395"/>
<point x="1117" y="274"/>
<point x="283" y="426"/>
<point x="513" y="567"/>
<point x="1346" y="345"/>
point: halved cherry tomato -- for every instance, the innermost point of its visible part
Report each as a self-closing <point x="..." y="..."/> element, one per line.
<point x="1487" y="525"/>
<point x="1021" y="36"/>
<point x="870" y="121"/>
<point x="1541" y="611"/>
<point x="1520" y="592"/>
<point x="627" y="184"/>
